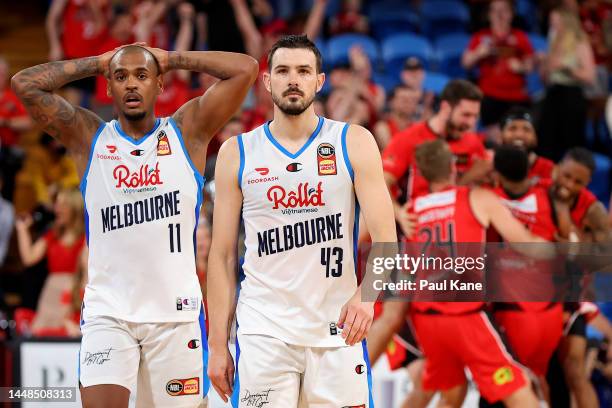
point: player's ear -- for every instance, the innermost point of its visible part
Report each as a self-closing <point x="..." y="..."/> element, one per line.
<point x="266" y="80"/>
<point x="160" y="84"/>
<point x="320" y="80"/>
<point x="108" y="88"/>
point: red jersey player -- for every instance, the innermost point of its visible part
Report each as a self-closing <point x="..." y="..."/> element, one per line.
<point x="469" y="339"/>
<point x="517" y="129"/>
<point x="454" y="122"/>
<point x="533" y="329"/>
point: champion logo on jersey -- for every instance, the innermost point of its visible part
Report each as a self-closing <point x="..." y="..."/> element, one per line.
<point x="163" y="145"/>
<point x="137" y="152"/>
<point x="304" y="196"/>
<point x="294" y="167"/>
<point x="326" y="159"/>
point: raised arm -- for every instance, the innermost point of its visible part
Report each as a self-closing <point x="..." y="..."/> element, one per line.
<point x="373" y="196"/>
<point x="222" y="266"/>
<point x="315" y="19"/>
<point x="253" y="41"/>
<point x="72" y="125"/>
<point x="53" y="27"/>
<point x="202" y="117"/>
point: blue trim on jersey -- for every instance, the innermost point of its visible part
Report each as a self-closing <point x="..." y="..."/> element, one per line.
<point x="356" y="234"/>
<point x="132" y="140"/>
<point x="200" y="180"/>
<point x="204" y="345"/>
<point x="367" y="361"/>
<point x="285" y="151"/>
<point x="180" y="138"/>
<point x="83" y="185"/>
<point x="345" y="153"/>
<point x="242" y="159"/>
<point x="235" y="398"/>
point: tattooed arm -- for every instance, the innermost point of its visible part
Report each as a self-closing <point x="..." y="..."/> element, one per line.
<point x="72" y="125"/>
<point x="596" y="223"/>
<point x="201" y="118"/>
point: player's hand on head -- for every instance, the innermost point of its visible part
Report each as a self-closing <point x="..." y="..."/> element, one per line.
<point x="221" y="372"/>
<point x="356" y="319"/>
<point x="162" y="57"/>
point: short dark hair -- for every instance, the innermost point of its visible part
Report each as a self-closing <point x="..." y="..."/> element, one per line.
<point x="459" y="89"/>
<point x="511" y="162"/>
<point x="396" y="89"/>
<point x="582" y="156"/>
<point x="516" y="113"/>
<point x="136" y="48"/>
<point x="434" y="160"/>
<point x="296" y="41"/>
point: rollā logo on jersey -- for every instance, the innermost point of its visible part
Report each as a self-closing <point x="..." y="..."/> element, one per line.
<point x="144" y="179"/>
<point x="305" y="197"/>
<point x="326" y="159"/>
<point x="163" y="145"/>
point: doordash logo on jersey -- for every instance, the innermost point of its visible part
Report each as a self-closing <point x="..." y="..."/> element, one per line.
<point x="304" y="196"/>
<point x="142" y="180"/>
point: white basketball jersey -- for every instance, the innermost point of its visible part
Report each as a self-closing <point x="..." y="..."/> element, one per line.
<point x="142" y="201"/>
<point x="299" y="213"/>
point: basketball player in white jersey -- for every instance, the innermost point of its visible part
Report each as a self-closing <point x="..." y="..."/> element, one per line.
<point x="142" y="320"/>
<point x="298" y="182"/>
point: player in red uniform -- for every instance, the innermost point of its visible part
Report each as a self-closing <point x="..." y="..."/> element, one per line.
<point x="533" y="329"/>
<point x="517" y="129"/>
<point x="469" y="339"/>
<point x="591" y="221"/>
<point x="454" y="122"/>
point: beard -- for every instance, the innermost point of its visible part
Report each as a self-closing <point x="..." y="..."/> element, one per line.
<point x="134" y="116"/>
<point x="292" y="108"/>
<point x="454" y="131"/>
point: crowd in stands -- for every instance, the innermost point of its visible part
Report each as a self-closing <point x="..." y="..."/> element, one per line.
<point x="386" y="63"/>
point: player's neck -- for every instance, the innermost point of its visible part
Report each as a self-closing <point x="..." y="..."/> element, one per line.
<point x="437" y="124"/>
<point x="294" y="127"/>
<point x="137" y="128"/>
<point x="437" y="186"/>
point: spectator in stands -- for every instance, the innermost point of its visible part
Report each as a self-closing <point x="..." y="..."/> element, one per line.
<point x="349" y="19"/>
<point x="355" y="98"/>
<point x="76" y="29"/>
<point x="7" y="219"/>
<point x="413" y="75"/>
<point x="14" y="120"/>
<point x="63" y="246"/>
<point x="403" y="112"/>
<point x="568" y="67"/>
<point x="176" y="83"/>
<point x="46" y="170"/>
<point x="120" y="33"/>
<point x="257" y="43"/>
<point x="503" y="55"/>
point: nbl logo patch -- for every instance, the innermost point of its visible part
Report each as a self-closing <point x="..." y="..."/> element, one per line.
<point x="188" y="386"/>
<point x="326" y="159"/>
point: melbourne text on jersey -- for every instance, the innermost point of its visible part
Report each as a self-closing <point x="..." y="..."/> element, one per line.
<point x="147" y="210"/>
<point x="308" y="232"/>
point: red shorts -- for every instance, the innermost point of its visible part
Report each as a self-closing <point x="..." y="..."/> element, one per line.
<point x="452" y="343"/>
<point x="532" y="336"/>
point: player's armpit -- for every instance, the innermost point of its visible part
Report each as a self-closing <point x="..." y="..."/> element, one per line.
<point x="370" y="187"/>
<point x="202" y="117"/>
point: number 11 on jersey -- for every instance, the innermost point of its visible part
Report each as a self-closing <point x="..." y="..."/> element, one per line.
<point x="171" y="228"/>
